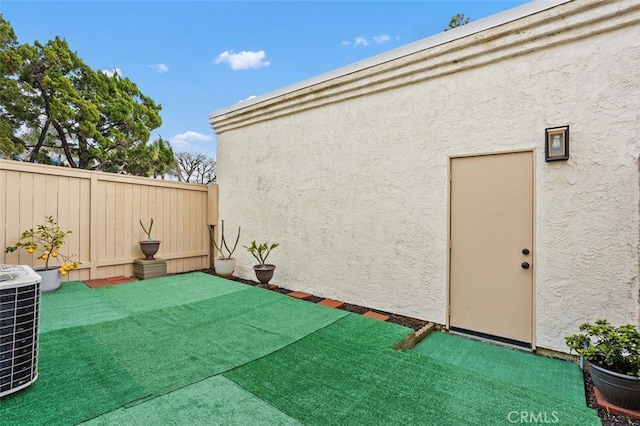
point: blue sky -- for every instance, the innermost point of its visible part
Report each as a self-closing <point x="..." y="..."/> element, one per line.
<point x="194" y="57"/>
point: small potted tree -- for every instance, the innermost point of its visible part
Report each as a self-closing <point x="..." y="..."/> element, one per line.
<point x="45" y="242"/>
<point x="264" y="271"/>
<point x="149" y="247"/>
<point x="613" y="357"/>
<point x="224" y="264"/>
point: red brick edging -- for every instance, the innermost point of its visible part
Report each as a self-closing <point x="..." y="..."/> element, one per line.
<point x="330" y="303"/>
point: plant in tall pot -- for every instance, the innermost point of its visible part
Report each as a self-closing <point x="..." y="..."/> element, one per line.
<point x="264" y="271"/>
<point x="44" y="241"/>
<point x="224" y="264"/>
<point x="149" y="247"/>
<point x="613" y="357"/>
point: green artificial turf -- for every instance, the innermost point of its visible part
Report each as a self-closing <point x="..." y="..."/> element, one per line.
<point x="214" y="401"/>
<point x="175" y="290"/>
<point x="77" y="379"/>
<point x="197" y="349"/>
<point x="166" y="349"/>
<point x="75" y="304"/>
<point x="559" y="379"/>
<point x="347" y="373"/>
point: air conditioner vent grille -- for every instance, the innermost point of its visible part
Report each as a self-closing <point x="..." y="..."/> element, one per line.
<point x="19" y="315"/>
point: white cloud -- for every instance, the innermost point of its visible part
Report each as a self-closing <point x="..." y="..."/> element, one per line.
<point x="243" y="60"/>
<point x="250" y="97"/>
<point x="363" y="41"/>
<point x="160" y="68"/>
<point x="183" y="140"/>
<point x="360" y="41"/>
<point x="112" y="72"/>
<point x="382" y="38"/>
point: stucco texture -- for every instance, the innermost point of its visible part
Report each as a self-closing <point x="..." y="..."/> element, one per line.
<point x="356" y="190"/>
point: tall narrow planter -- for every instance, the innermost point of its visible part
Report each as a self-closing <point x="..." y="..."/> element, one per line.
<point x="51" y="280"/>
<point x="619" y="389"/>
<point x="149" y="248"/>
<point x="264" y="273"/>
<point x="224" y="267"/>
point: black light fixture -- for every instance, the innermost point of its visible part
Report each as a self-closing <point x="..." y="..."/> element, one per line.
<point x="556" y="143"/>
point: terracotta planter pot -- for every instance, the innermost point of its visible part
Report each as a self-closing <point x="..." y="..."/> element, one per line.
<point x="264" y="273"/>
<point x="149" y="248"/>
<point x="51" y="280"/>
<point x="619" y="389"/>
<point x="224" y="267"/>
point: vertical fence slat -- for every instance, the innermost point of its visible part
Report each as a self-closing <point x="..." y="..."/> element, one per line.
<point x="74" y="210"/>
<point x="127" y="222"/>
<point x="85" y="231"/>
<point x="12" y="217"/>
<point x="174" y="217"/>
<point x="119" y="225"/>
<point x="28" y="184"/>
<point x="135" y="217"/>
<point x="100" y="223"/>
<point x="110" y="221"/>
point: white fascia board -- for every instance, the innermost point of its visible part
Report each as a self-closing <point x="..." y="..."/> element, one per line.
<point x="474" y="27"/>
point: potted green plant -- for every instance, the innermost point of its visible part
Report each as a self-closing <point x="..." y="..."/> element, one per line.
<point x="44" y="241"/>
<point x="224" y="264"/>
<point x="613" y="357"/>
<point x="149" y="247"/>
<point x="264" y="271"/>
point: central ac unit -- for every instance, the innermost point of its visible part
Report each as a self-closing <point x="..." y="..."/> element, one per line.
<point x="19" y="312"/>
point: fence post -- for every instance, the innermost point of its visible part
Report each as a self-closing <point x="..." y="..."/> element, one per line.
<point x="93" y="219"/>
<point x="212" y="218"/>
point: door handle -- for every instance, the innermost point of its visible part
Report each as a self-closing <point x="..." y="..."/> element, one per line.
<point x="525" y="265"/>
<point x="525" y="251"/>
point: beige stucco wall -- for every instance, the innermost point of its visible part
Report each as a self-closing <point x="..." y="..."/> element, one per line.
<point x="350" y="176"/>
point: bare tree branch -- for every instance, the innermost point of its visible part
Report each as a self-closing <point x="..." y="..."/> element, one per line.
<point x="195" y="167"/>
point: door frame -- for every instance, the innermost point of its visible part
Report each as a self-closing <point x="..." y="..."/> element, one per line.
<point x="450" y="158"/>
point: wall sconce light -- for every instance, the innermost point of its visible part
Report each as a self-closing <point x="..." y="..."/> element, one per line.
<point x="556" y="143"/>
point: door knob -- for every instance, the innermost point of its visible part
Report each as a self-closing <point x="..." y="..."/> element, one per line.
<point x="525" y="251"/>
<point x="525" y="265"/>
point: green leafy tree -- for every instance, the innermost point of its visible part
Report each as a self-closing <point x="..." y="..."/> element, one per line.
<point x="98" y="121"/>
<point x="457" y="20"/>
<point x="152" y="160"/>
<point x="163" y="158"/>
<point x="10" y="94"/>
<point x="50" y="151"/>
